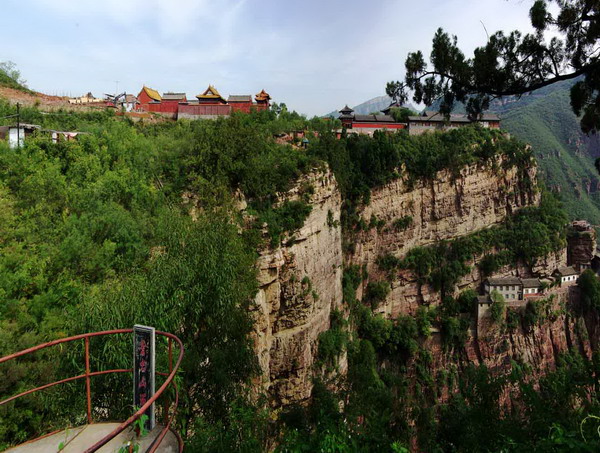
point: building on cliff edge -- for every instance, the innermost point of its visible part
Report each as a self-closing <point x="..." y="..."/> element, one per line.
<point x="207" y="105"/>
<point x="367" y="124"/>
<point x="432" y="121"/>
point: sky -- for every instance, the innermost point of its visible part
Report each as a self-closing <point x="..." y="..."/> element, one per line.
<point x="314" y="55"/>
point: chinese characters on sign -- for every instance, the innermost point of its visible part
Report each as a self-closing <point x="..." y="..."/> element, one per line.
<point x="143" y="369"/>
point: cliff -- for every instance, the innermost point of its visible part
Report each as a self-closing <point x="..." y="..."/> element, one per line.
<point x="300" y="283"/>
<point x="445" y="208"/>
<point x="300" y="280"/>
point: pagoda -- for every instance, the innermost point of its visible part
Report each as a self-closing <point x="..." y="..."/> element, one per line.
<point x="346" y="116"/>
<point x="262" y="98"/>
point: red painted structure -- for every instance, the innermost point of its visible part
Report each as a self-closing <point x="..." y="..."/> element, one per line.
<point x="209" y="104"/>
<point x="394" y="126"/>
<point x="89" y="374"/>
<point x="367" y="124"/>
<point x="148" y="96"/>
<point x="195" y="110"/>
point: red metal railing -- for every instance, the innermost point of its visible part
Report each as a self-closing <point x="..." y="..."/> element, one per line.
<point x="89" y="374"/>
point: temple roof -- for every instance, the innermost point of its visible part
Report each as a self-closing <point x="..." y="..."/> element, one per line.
<point x="262" y="96"/>
<point x="152" y="94"/>
<point x="239" y="98"/>
<point x="373" y="119"/>
<point x="393" y="105"/>
<point x="504" y="281"/>
<point x="210" y="93"/>
<point x="565" y="271"/>
<point x="431" y="116"/>
<point x="173" y="96"/>
<point x="531" y="282"/>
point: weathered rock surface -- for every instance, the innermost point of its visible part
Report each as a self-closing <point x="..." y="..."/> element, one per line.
<point x="300" y="283"/>
<point x="448" y="207"/>
<point x="582" y="244"/>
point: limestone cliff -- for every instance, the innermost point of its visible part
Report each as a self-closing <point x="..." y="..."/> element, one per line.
<point x="300" y="283"/>
<point x="300" y="280"/>
<point x="445" y="208"/>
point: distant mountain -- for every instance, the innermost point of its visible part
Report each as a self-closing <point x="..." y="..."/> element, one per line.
<point x="372" y="105"/>
<point x="565" y="155"/>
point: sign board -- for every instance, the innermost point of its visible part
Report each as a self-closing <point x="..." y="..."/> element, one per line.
<point x="144" y="370"/>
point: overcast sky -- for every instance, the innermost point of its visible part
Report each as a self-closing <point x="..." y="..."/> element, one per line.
<point x="315" y="55"/>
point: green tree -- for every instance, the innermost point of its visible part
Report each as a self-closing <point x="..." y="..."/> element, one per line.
<point x="590" y="289"/>
<point x="514" y="64"/>
<point x="498" y="308"/>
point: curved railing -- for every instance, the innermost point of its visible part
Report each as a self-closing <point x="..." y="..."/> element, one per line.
<point x="89" y="374"/>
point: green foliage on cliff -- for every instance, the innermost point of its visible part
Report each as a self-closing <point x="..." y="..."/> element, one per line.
<point x="531" y="234"/>
<point x="361" y="162"/>
<point x="590" y="290"/>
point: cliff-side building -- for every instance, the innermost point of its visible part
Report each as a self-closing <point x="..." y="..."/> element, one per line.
<point x="367" y="124"/>
<point x="432" y="121"/>
<point x="566" y="275"/>
<point x="511" y="288"/>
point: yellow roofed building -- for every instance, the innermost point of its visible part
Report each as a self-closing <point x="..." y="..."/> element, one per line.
<point x="211" y="96"/>
<point x="148" y="95"/>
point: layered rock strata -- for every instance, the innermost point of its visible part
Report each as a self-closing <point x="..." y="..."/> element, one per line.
<point x="300" y="283"/>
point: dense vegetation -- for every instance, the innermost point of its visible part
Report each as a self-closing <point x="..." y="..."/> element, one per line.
<point x="95" y="234"/>
<point x="391" y="397"/>
<point x="565" y="156"/>
<point x="139" y="223"/>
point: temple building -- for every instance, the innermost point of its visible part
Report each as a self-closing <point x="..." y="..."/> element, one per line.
<point x="432" y="121"/>
<point x="240" y="102"/>
<point x="207" y="105"/>
<point x="367" y="124"/>
<point x="148" y="96"/>
<point x="263" y="100"/>
<point x="211" y="96"/>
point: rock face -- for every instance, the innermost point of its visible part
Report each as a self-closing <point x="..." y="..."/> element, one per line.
<point x="448" y="207"/>
<point x="582" y="244"/>
<point x="300" y="280"/>
<point x="300" y="283"/>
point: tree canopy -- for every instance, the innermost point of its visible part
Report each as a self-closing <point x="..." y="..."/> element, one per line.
<point x="563" y="46"/>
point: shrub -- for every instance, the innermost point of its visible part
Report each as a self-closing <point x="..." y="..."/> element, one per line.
<point x="402" y="223"/>
<point x="376" y="293"/>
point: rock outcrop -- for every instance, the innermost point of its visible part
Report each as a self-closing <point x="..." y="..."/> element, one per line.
<point x="448" y="207"/>
<point x="300" y="283"/>
<point x="300" y="280"/>
<point x="582" y="244"/>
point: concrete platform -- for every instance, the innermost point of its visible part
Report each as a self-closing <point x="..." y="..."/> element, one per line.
<point x="76" y="440"/>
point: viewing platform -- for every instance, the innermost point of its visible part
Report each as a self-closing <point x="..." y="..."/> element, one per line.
<point x="76" y="440"/>
<point x="104" y="435"/>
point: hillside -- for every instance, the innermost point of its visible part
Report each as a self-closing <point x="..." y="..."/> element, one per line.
<point x="565" y="155"/>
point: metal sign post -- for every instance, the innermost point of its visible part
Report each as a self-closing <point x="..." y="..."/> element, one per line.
<point x="144" y="370"/>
